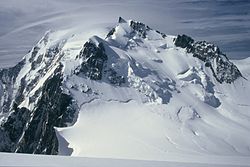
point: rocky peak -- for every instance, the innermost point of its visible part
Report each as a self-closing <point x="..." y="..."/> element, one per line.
<point x="32" y="131"/>
<point x="121" y="20"/>
<point x="184" y="41"/>
<point x="94" y="63"/>
<point x="140" y="28"/>
<point x="136" y="28"/>
<point x="222" y="68"/>
<point x="93" y="59"/>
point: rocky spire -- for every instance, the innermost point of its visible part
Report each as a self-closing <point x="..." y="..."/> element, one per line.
<point x="121" y="20"/>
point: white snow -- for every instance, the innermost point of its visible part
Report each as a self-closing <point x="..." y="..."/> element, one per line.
<point x="175" y="160"/>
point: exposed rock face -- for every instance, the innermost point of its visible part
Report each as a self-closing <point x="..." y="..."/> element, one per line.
<point x="8" y="78"/>
<point x="138" y="28"/>
<point x="94" y="58"/>
<point x="33" y="131"/>
<point x="12" y="129"/>
<point x="121" y="20"/>
<point x="223" y="70"/>
<point x="111" y="32"/>
<point x="13" y="90"/>
<point x="143" y="29"/>
<point x="30" y="113"/>
<point x="53" y="109"/>
<point x="94" y="64"/>
<point x="184" y="41"/>
<point x="114" y="78"/>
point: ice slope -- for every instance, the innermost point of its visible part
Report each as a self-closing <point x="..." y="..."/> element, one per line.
<point x="16" y="160"/>
<point x="171" y="104"/>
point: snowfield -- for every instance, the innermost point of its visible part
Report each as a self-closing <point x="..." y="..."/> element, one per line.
<point x="19" y="160"/>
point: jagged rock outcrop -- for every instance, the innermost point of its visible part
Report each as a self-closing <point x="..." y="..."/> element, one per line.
<point x="143" y="29"/>
<point x="54" y="109"/>
<point x="223" y="70"/>
<point x="12" y="129"/>
<point x="32" y="131"/>
<point x="94" y="64"/>
<point x="93" y="58"/>
<point x="138" y="28"/>
<point x="184" y="41"/>
<point x="7" y="80"/>
<point x="30" y="111"/>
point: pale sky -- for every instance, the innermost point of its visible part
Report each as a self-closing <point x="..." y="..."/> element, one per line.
<point x="224" y="22"/>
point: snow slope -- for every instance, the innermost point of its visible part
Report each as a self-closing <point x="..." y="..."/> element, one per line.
<point x="173" y="161"/>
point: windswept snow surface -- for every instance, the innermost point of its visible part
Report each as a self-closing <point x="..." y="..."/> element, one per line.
<point x="19" y="160"/>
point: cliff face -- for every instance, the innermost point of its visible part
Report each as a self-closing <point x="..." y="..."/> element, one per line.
<point x="223" y="70"/>
<point x="32" y="131"/>
<point x="33" y="102"/>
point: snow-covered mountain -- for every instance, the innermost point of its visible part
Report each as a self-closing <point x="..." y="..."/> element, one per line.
<point x="135" y="93"/>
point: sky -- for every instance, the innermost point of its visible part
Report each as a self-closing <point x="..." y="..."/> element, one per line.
<point x="223" y="22"/>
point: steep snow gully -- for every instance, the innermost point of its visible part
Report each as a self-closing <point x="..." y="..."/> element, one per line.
<point x="135" y="93"/>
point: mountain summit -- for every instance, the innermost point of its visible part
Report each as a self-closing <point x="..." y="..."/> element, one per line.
<point x="136" y="93"/>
